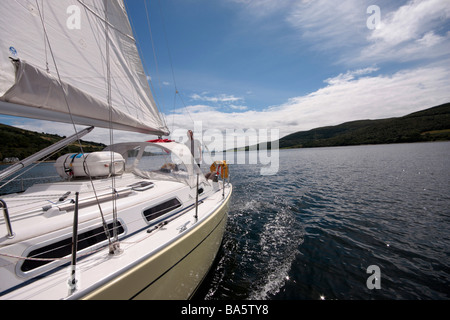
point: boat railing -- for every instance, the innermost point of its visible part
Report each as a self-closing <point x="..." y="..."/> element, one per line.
<point x="73" y="280"/>
<point x="4" y="207"/>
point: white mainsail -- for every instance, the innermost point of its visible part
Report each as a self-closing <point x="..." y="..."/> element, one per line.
<point x="54" y="66"/>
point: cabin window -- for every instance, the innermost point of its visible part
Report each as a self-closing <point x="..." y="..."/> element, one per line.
<point x="161" y="209"/>
<point x="63" y="248"/>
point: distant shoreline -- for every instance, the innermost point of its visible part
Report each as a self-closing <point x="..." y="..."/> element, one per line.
<point x="428" y="125"/>
<point x="339" y="146"/>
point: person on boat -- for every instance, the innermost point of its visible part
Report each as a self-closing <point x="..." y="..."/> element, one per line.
<point x="195" y="146"/>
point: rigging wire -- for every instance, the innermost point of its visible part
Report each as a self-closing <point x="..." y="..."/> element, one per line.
<point x="167" y="46"/>
<point x="170" y="62"/>
<point x="153" y="43"/>
<point x="169" y="55"/>
<point x="185" y="106"/>
<point x="154" y="54"/>
<point x="111" y="130"/>
<point x="154" y="97"/>
<point x="68" y="108"/>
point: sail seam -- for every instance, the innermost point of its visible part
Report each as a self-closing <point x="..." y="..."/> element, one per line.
<point x="105" y="21"/>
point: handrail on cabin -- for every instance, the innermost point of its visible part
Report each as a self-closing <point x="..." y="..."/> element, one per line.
<point x="4" y="206"/>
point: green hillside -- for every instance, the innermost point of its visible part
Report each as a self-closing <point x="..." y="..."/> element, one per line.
<point x="19" y="143"/>
<point x="428" y="125"/>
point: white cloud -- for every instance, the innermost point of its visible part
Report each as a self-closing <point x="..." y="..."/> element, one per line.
<point x="235" y="107"/>
<point x="373" y="97"/>
<point x="350" y="75"/>
<point x="347" y="97"/>
<point x="222" y="98"/>
<point x="351" y="96"/>
<point x="328" y="25"/>
<point x="411" y="32"/>
<point x="407" y="31"/>
<point x="195" y="109"/>
<point x="411" y="21"/>
<point x="430" y="39"/>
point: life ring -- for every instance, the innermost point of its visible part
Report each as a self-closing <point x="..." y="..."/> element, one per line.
<point x="220" y="167"/>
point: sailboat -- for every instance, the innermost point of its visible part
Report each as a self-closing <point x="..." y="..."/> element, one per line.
<point x="139" y="220"/>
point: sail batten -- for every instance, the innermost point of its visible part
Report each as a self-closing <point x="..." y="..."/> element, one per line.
<point x="77" y="42"/>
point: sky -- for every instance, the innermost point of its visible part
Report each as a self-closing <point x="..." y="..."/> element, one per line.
<point x="287" y="65"/>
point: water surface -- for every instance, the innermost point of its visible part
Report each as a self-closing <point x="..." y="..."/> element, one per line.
<point x="312" y="230"/>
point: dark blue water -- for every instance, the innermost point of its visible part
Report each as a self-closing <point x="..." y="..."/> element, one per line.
<point x="312" y="230"/>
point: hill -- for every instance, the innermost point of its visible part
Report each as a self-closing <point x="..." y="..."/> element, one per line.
<point x="19" y="143"/>
<point x="432" y="124"/>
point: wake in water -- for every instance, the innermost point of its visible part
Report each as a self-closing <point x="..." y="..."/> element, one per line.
<point x="279" y="242"/>
<point x="261" y="242"/>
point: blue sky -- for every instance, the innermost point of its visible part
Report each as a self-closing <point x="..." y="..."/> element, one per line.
<point x="295" y="64"/>
<point x="290" y="65"/>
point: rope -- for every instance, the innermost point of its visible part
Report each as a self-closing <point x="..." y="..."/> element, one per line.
<point x="49" y="259"/>
<point x="32" y="259"/>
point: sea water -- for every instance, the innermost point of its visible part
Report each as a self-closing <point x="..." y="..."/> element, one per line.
<point x="316" y="229"/>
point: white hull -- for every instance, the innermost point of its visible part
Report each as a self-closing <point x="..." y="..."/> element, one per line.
<point x="156" y="260"/>
<point x="177" y="270"/>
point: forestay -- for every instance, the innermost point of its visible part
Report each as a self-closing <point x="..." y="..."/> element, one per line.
<point x="53" y="62"/>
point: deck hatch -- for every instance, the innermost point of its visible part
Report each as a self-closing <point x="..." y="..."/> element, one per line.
<point x="162" y="209"/>
<point x="63" y="248"/>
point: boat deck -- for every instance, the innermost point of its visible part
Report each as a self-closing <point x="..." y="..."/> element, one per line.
<point x="152" y="215"/>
